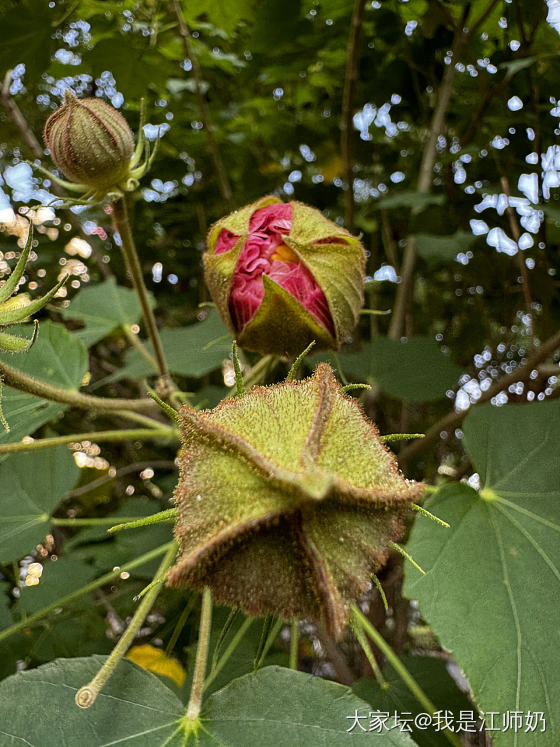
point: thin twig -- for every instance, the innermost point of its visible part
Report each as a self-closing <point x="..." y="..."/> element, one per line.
<point x="424" y="186"/>
<point x="453" y="419"/>
<point x="352" y="74"/>
<point x="212" y="145"/>
<point x="121" y="224"/>
<point x="127" y="470"/>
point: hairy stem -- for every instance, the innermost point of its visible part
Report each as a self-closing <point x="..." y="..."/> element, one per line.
<point x="23" y="382"/>
<point x="197" y="689"/>
<point x="294" y="644"/>
<point x="230" y="649"/>
<point x="121" y="224"/>
<point x="82" y="591"/>
<point x="127" y="434"/>
<point x="85" y="697"/>
<point x="360" y="620"/>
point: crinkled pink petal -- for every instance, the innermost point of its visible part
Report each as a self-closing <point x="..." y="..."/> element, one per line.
<point x="266" y="229"/>
<point x="226" y="240"/>
<point x="245" y="298"/>
<point x="277" y="217"/>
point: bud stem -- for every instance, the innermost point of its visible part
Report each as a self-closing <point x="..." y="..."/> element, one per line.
<point x="85" y="697"/>
<point x="360" y="620"/>
<point x="121" y="224"/>
<point x="195" y="700"/>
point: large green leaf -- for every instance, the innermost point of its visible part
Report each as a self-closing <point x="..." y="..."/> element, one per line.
<point x="33" y="484"/>
<point x="26" y="37"/>
<point x="103" y="308"/>
<point x="416" y="370"/>
<point x="271" y="708"/>
<point x="57" y="357"/>
<point x="190" y="351"/>
<point x="493" y="582"/>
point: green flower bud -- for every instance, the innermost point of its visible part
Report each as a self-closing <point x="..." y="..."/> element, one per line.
<point x="282" y="275"/>
<point x="287" y="501"/>
<point x="91" y="143"/>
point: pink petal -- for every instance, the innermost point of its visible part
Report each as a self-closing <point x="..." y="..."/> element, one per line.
<point x="277" y="217"/>
<point x="226" y="241"/>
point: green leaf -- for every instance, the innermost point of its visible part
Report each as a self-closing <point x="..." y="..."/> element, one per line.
<point x="103" y="308"/>
<point x="57" y="357"/>
<point x="33" y="484"/>
<point x="434" y="679"/>
<point x="221" y="13"/>
<point x="135" y="708"/>
<point x="190" y="351"/>
<point x="434" y="247"/>
<point x="310" y="712"/>
<point x="416" y="370"/>
<point x="493" y="579"/>
<point x="26" y="38"/>
<point x="134" y="67"/>
<point x="409" y="199"/>
<point x="59" y="578"/>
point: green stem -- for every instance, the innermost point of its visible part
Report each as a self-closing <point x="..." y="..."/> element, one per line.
<point x="100" y="521"/>
<point x="92" y="586"/>
<point x="122" y="225"/>
<point x="363" y="641"/>
<point x="136" y="417"/>
<point x="400" y="669"/>
<point x="224" y="658"/>
<point x="170" y="515"/>
<point x="197" y="689"/>
<point x="97" y="436"/>
<point x="86" y="695"/>
<point x="140" y="347"/>
<point x="294" y="640"/>
<point x="30" y="385"/>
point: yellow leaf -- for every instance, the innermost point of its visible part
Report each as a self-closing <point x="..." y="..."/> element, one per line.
<point x="154" y="660"/>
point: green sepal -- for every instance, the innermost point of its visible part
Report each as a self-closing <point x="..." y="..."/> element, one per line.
<point x="283" y="326"/>
<point x="12" y="316"/>
<point x="11" y="284"/>
<point x="2" y="417"/>
<point x="13" y="344"/>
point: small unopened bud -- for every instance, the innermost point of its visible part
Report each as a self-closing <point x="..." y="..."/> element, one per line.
<point x="90" y="142"/>
<point x="282" y="275"/>
<point x="288" y="501"/>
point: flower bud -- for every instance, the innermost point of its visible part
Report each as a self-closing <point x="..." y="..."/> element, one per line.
<point x="282" y="275"/>
<point x="90" y="142"/>
<point x="287" y="501"/>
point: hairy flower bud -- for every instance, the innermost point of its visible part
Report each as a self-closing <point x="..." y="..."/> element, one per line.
<point x="90" y="142"/>
<point x="282" y="275"/>
<point x="287" y="501"/>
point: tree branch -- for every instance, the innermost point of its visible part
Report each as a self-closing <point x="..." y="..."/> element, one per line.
<point x="213" y="150"/>
<point x="351" y="78"/>
<point x="453" y="419"/>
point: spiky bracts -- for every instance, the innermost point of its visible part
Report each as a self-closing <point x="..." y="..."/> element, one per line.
<point x="287" y="501"/>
